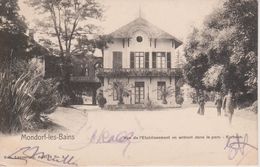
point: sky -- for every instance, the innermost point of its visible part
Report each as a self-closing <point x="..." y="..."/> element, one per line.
<point x="176" y="17"/>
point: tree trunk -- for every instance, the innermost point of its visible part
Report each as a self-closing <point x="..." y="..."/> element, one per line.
<point x="164" y="100"/>
<point x="197" y="95"/>
<point x="121" y="100"/>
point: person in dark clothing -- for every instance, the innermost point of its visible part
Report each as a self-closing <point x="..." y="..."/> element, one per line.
<point x="201" y="102"/>
<point x="229" y="105"/>
<point x="218" y="103"/>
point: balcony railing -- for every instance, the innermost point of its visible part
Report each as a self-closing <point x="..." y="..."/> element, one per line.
<point x="130" y="72"/>
<point x="84" y="79"/>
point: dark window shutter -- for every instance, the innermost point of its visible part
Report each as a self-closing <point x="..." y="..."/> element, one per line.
<point x="132" y="60"/>
<point x="120" y="59"/>
<point x="114" y="59"/>
<point x="146" y="59"/>
<point x="169" y="60"/>
<point x="154" y="60"/>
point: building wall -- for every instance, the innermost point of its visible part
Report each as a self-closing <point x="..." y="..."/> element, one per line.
<point x="162" y="45"/>
<point x="150" y="88"/>
<point x="150" y="84"/>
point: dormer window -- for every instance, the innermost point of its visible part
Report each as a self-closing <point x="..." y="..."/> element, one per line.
<point x="139" y="39"/>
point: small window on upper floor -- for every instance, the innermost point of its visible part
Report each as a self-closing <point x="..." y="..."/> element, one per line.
<point x="139" y="39"/>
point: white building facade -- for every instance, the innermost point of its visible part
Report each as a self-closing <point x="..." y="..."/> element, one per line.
<point x="142" y="57"/>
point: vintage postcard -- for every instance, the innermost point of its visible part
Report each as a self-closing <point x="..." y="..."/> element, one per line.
<point x="128" y="82"/>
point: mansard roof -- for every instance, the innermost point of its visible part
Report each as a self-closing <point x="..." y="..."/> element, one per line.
<point x="140" y="23"/>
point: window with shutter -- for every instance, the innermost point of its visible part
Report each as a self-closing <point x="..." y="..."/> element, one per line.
<point x="117" y="60"/>
<point x="146" y="59"/>
<point x="168" y="59"/>
<point x="139" y="59"/>
<point x="160" y="60"/>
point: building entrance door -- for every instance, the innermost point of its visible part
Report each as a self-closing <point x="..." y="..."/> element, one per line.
<point x="139" y="92"/>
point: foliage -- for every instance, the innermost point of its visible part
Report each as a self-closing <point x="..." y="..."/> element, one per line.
<point x="123" y="89"/>
<point x="63" y="22"/>
<point x="102" y="101"/>
<point x="66" y="20"/>
<point x="150" y="105"/>
<point x="212" y="77"/>
<point x="100" y="98"/>
<point x="23" y="98"/>
<point x="194" y="72"/>
<point x="13" y="41"/>
<point x="15" y="102"/>
<point x="10" y="20"/>
<point x="24" y="94"/>
<point x="65" y="100"/>
<point x="45" y="97"/>
<point x="167" y="92"/>
<point x="179" y="99"/>
<point x="140" y="72"/>
<point x="225" y="50"/>
<point x="90" y="45"/>
<point x="254" y="107"/>
<point x="102" y="43"/>
<point x="197" y="61"/>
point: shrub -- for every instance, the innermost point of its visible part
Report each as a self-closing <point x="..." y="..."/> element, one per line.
<point x="46" y="97"/>
<point x="102" y="101"/>
<point x="23" y="98"/>
<point x="254" y="107"/>
<point x="122" y="89"/>
<point x="65" y="100"/>
<point x="16" y="102"/>
<point x="179" y="100"/>
<point x="149" y="104"/>
<point x="100" y="98"/>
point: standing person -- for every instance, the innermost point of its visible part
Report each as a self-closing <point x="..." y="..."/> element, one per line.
<point x="228" y="105"/>
<point x="218" y="103"/>
<point x="201" y="101"/>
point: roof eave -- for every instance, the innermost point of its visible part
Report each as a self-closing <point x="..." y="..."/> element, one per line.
<point x="178" y="42"/>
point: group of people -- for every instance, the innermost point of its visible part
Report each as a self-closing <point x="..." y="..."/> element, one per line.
<point x="227" y="104"/>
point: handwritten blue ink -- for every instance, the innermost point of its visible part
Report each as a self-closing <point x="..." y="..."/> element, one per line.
<point x="237" y="145"/>
<point x="105" y="137"/>
<point x="97" y="137"/>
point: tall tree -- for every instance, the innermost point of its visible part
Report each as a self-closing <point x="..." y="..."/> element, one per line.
<point x="229" y="40"/>
<point x="102" y="43"/>
<point x="235" y="43"/>
<point x="66" y="20"/>
<point x="197" y="61"/>
<point x="90" y="45"/>
<point x="13" y="41"/>
<point x="10" y="19"/>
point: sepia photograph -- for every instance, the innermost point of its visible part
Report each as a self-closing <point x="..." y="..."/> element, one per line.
<point x="128" y="83"/>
